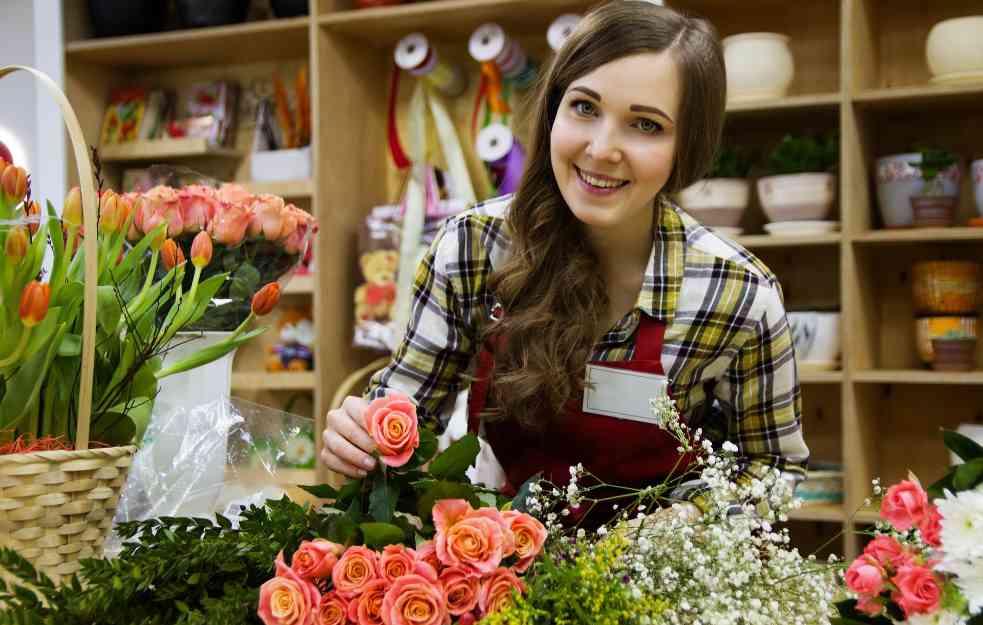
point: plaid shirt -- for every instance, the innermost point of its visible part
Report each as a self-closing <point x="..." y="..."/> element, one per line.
<point x="727" y="350"/>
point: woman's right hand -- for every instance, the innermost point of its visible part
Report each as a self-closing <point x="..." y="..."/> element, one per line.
<point x="347" y="445"/>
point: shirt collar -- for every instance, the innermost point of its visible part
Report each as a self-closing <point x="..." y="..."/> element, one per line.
<point x="664" y="273"/>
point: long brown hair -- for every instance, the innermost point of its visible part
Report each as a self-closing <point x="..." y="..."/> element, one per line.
<point x="550" y="287"/>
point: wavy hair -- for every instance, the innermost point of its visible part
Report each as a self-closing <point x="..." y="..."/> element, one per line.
<point x="551" y="286"/>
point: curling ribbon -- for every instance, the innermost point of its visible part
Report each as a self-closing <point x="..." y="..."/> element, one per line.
<point x="560" y="29"/>
<point x="492" y="78"/>
<point x="498" y="147"/>
<point x="392" y="132"/>
<point x="415" y="54"/>
<point x="490" y="44"/>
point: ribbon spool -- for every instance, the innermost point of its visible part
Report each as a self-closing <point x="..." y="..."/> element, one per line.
<point x="560" y="29"/>
<point x="497" y="146"/>
<point x="415" y="54"/>
<point x="490" y="44"/>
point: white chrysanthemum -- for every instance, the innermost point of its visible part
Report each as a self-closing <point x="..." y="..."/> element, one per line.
<point x="962" y="523"/>
<point x="299" y="450"/>
<point x="969" y="579"/>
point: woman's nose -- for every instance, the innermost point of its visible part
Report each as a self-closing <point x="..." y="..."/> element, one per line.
<point x="603" y="146"/>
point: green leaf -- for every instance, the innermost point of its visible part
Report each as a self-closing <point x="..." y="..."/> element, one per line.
<point x="322" y="491"/>
<point x="968" y="475"/>
<point x="210" y="353"/>
<point x="245" y="282"/>
<point x="455" y="460"/>
<point x="42" y="333"/>
<point x="445" y="490"/>
<point x="342" y="530"/>
<point x="937" y="490"/>
<point x="203" y="296"/>
<point x="382" y="500"/>
<point x="25" y="385"/>
<point x="70" y="346"/>
<point x="109" y="308"/>
<point x="963" y="446"/>
<point x="378" y="535"/>
<point x="113" y="428"/>
<point x="424" y="453"/>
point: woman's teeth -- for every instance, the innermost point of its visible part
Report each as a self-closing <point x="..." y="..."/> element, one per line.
<point x="600" y="182"/>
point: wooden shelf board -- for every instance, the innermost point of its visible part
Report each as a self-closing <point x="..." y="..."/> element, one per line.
<point x="265" y="40"/>
<point x="818" y="512"/>
<point x="284" y="188"/>
<point x="300" y="285"/>
<point x="262" y="380"/>
<point x="867" y="515"/>
<point x="918" y="376"/>
<point x="164" y="149"/>
<point x="913" y="98"/>
<point x="817" y="101"/>
<point x="766" y="240"/>
<point x="447" y="19"/>
<point x="820" y="377"/>
<point x="919" y="235"/>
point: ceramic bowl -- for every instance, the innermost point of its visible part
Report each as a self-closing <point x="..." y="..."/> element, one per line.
<point x="898" y="181"/>
<point x="797" y="197"/>
<point x="816" y="336"/>
<point x="954" y="49"/>
<point x="716" y="202"/>
<point x="928" y="329"/>
<point x="946" y="287"/>
<point x="759" y="66"/>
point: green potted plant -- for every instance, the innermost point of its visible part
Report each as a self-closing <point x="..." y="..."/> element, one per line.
<point x="720" y="200"/>
<point x="799" y="184"/>
<point x="935" y="206"/>
<point x="954" y="351"/>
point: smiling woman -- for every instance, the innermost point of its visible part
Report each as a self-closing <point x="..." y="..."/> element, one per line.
<point x="570" y="305"/>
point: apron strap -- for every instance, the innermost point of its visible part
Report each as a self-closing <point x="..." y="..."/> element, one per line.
<point x="648" y="343"/>
<point x="478" y="398"/>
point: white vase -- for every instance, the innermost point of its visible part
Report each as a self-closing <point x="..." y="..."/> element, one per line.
<point x="759" y="66"/>
<point x="716" y="202"/>
<point x="954" y="50"/>
<point x="816" y="336"/>
<point x="797" y="197"/>
<point x="898" y="180"/>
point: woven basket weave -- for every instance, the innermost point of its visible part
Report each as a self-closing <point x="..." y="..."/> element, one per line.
<point x="56" y="507"/>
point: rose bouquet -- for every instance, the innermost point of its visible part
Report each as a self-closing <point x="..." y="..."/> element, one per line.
<point x="924" y="563"/>
<point x="258" y="239"/>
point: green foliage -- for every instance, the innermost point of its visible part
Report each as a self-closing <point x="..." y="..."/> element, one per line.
<point x="934" y="161"/>
<point x="797" y="154"/>
<point x="966" y="476"/>
<point x="733" y="162"/>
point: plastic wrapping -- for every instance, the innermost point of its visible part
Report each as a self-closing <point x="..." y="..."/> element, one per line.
<point x="214" y="458"/>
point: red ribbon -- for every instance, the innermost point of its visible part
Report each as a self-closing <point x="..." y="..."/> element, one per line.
<point x="395" y="148"/>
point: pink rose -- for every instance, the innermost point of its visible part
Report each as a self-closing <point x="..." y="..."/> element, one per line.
<point x="414" y="600"/>
<point x="427" y="552"/>
<point x="299" y="226"/>
<point x="357" y="568"/>
<point x="474" y="539"/>
<point x="930" y="527"/>
<point x="231" y="193"/>
<point x="287" y="599"/>
<point x="396" y="561"/>
<point x="530" y="536"/>
<point x="162" y="204"/>
<point x="333" y="610"/>
<point x="919" y="590"/>
<point x="268" y="217"/>
<point x="865" y="577"/>
<point x="316" y="558"/>
<point x="905" y="505"/>
<point x="228" y="226"/>
<point x="366" y="609"/>
<point x="870" y="605"/>
<point x="888" y="552"/>
<point x="496" y="591"/>
<point x="460" y="590"/>
<point x="198" y="206"/>
<point x="392" y="423"/>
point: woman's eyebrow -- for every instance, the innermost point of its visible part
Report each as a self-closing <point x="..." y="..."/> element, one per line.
<point x="635" y="108"/>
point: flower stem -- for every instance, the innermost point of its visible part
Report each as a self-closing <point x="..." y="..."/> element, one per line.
<point x="21" y="345"/>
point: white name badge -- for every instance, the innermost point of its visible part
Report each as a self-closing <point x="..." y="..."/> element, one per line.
<point x="623" y="394"/>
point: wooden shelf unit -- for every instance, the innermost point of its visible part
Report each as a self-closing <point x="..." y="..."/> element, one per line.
<point x="860" y="71"/>
<point x="164" y="150"/>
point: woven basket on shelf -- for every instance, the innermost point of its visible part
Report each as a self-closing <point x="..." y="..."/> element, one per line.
<point x="56" y="507"/>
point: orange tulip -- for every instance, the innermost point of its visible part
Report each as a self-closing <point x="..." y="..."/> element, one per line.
<point x="170" y="253"/>
<point x="71" y="214"/>
<point x="34" y="303"/>
<point x="14" y="182"/>
<point x="201" y="250"/>
<point x="266" y="299"/>
<point x="16" y="245"/>
<point x="34" y="209"/>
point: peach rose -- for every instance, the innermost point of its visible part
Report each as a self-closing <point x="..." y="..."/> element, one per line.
<point x="905" y="505"/>
<point x="162" y="204"/>
<point x="888" y="552"/>
<point x="299" y="226"/>
<point x="415" y="600"/>
<point x="930" y="527"/>
<point x="427" y="552"/>
<point x="357" y="568"/>
<point x="474" y="539"/>
<point x="392" y="423"/>
<point x="229" y="224"/>
<point x="865" y="577"/>
<point x="919" y="590"/>
<point x="268" y="217"/>
<point x="231" y="193"/>
<point x="287" y="599"/>
<point x="366" y="609"/>
<point x="530" y="536"/>
<point x="198" y="206"/>
<point x="460" y="589"/>
<point x="333" y="610"/>
<point x="396" y="561"/>
<point x="496" y="591"/>
<point x="316" y="558"/>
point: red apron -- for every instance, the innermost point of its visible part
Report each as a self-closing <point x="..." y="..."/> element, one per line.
<point x="618" y="451"/>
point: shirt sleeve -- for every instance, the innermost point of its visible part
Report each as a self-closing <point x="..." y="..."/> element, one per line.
<point x="761" y="398"/>
<point x="439" y="340"/>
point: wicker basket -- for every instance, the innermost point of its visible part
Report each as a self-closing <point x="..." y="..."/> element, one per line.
<point x="56" y="507"/>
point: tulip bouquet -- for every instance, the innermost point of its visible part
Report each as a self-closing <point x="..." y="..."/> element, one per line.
<point x="258" y="239"/>
<point x="924" y="564"/>
<point x="141" y="311"/>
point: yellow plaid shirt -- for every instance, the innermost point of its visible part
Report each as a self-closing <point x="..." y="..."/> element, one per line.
<point x="727" y="353"/>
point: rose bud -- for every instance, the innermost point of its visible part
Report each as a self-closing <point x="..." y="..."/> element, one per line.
<point x="34" y="303"/>
<point x="201" y="250"/>
<point x="266" y="299"/>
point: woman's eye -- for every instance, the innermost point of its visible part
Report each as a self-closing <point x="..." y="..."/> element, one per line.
<point x="648" y="126"/>
<point x="583" y="107"/>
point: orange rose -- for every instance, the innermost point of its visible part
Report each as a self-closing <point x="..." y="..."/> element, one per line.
<point x="474" y="539"/>
<point x="427" y="552"/>
<point x="396" y="561"/>
<point x="316" y="558"/>
<point x="333" y="610"/>
<point x="231" y="193"/>
<point x="530" y="536"/>
<point x="496" y="591"/>
<point x="460" y="589"/>
<point x="392" y="423"/>
<point x="287" y="599"/>
<point x="357" y="568"/>
<point x="366" y="609"/>
<point x="415" y="600"/>
<point x="229" y="224"/>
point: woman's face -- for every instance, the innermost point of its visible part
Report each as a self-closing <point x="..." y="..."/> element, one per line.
<point x="613" y="140"/>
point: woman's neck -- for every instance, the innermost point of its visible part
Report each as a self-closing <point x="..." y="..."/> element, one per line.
<point x="623" y="251"/>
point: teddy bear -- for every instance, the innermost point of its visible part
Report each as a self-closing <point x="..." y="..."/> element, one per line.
<point x="374" y="300"/>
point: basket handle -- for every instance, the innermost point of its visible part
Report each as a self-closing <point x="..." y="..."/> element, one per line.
<point x="90" y="201"/>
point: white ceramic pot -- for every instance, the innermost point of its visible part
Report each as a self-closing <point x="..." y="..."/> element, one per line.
<point x="978" y="185"/>
<point x="797" y="197"/>
<point x="898" y="181"/>
<point x="759" y="66"/>
<point x="716" y="202"/>
<point x="954" y="50"/>
<point x="816" y="336"/>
